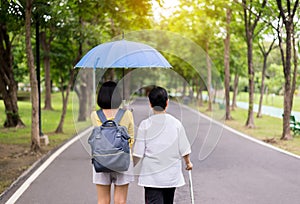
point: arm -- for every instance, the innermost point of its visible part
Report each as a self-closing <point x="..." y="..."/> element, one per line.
<point x="139" y="146"/>
<point x="188" y="163"/>
<point x="131" y="129"/>
<point x="128" y="121"/>
<point x="95" y="119"/>
<point x="185" y="148"/>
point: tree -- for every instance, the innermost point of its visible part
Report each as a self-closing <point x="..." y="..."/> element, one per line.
<point x="35" y="133"/>
<point x="111" y="18"/>
<point x="44" y="17"/>
<point x="251" y="19"/>
<point x="63" y="71"/>
<point x="265" y="54"/>
<point x="8" y="86"/>
<point x="238" y="63"/>
<point x="287" y="15"/>
<point x="227" y="64"/>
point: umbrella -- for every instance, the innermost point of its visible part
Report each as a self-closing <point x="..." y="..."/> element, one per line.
<point x="122" y="54"/>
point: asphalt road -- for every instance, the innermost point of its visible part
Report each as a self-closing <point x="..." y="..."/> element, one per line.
<point x="228" y="168"/>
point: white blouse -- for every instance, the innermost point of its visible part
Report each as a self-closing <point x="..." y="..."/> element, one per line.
<point x="161" y="143"/>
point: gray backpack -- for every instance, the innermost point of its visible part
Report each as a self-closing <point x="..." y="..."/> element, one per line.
<point x="109" y="144"/>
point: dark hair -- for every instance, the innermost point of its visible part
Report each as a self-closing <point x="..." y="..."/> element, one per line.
<point x="109" y="96"/>
<point x="158" y="98"/>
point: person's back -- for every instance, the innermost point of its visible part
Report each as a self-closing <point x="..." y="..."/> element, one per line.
<point x="161" y="143"/>
<point x="109" y="100"/>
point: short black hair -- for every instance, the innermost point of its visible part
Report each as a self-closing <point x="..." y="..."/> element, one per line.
<point x="158" y="98"/>
<point x="109" y="96"/>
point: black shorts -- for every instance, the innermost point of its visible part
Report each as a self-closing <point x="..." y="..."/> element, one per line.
<point x="159" y="195"/>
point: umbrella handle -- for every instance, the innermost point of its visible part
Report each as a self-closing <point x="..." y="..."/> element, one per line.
<point x="191" y="187"/>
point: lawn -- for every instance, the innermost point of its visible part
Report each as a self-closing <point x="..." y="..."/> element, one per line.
<point x="50" y="120"/>
<point x="269" y="100"/>
<point x="15" y="155"/>
<point x="268" y="129"/>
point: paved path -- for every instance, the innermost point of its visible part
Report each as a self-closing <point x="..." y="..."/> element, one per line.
<point x="237" y="171"/>
<point x="268" y="110"/>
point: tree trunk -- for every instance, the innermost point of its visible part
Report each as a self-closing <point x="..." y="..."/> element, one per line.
<point x="200" y="103"/>
<point x="8" y="85"/>
<point x="199" y="99"/>
<point x="209" y="85"/>
<point x="227" y="64"/>
<point x="263" y="75"/>
<point x="235" y="91"/>
<point x="82" y="91"/>
<point x="184" y="84"/>
<point x="250" y="118"/>
<point x="59" y="128"/>
<point x="295" y="55"/>
<point x="250" y="22"/>
<point x="82" y="97"/>
<point x="288" y="21"/>
<point x="286" y="135"/>
<point x="91" y="104"/>
<point x="46" y="48"/>
<point x="262" y="87"/>
<point x="35" y="137"/>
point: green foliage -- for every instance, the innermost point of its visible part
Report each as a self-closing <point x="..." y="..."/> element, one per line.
<point x="276" y="79"/>
<point x="49" y="124"/>
<point x="75" y="26"/>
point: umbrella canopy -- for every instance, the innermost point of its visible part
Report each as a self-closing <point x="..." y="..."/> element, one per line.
<point x="123" y="54"/>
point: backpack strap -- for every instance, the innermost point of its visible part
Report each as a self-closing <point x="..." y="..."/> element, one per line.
<point x="117" y="119"/>
<point x="101" y="116"/>
<point x="119" y="115"/>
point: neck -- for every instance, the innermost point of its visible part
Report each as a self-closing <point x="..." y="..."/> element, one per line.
<point x="159" y="112"/>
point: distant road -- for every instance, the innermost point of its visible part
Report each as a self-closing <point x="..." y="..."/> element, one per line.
<point x="268" y="110"/>
<point x="238" y="171"/>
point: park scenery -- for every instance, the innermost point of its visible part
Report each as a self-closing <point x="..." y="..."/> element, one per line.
<point x="235" y="62"/>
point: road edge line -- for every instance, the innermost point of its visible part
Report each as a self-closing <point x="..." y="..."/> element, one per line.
<point x="245" y="135"/>
<point x="17" y="194"/>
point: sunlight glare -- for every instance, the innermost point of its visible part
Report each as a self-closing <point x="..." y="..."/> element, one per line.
<point x="167" y="9"/>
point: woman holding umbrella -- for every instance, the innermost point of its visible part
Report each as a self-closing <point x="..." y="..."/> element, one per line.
<point x="109" y="100"/>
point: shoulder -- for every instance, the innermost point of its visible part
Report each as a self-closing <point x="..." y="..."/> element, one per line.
<point x="127" y="114"/>
<point x="94" y="114"/>
<point x="145" y="124"/>
<point x="171" y="119"/>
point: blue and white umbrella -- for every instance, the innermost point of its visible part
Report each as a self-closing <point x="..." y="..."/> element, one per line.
<point x="122" y="54"/>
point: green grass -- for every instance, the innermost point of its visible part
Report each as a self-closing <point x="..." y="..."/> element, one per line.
<point x="15" y="155"/>
<point x="269" y="100"/>
<point x="266" y="128"/>
<point x="50" y="120"/>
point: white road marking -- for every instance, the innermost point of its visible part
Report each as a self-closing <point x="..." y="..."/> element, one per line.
<point x="28" y="182"/>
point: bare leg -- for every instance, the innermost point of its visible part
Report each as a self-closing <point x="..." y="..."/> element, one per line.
<point x="103" y="194"/>
<point x="120" y="195"/>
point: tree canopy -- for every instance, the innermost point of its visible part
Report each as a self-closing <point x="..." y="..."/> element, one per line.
<point x="69" y="28"/>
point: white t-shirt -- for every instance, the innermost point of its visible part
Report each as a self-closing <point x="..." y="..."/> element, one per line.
<point x="161" y="143"/>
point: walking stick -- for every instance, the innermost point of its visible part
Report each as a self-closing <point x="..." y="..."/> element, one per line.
<point x="191" y="187"/>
